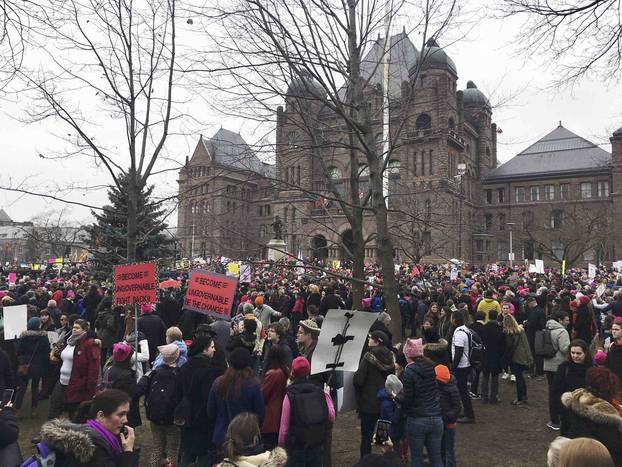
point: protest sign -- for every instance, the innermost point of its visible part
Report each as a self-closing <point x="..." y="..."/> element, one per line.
<point x="15" y="319"/>
<point x="135" y="284"/>
<point x="341" y="349"/>
<point x="591" y="271"/>
<point x="233" y="269"/>
<point x="532" y="268"/>
<point x="539" y="266"/>
<point x="346" y="394"/>
<point x="245" y="273"/>
<point x="601" y="290"/>
<point x="617" y="266"/>
<point x="453" y="275"/>
<point x="210" y="293"/>
<point x="12" y="278"/>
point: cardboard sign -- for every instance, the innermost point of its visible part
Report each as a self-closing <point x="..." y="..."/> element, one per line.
<point x="15" y="318"/>
<point x="210" y="293"/>
<point x="135" y="284"/>
<point x="539" y="266"/>
<point x="326" y="355"/>
<point x="233" y="269"/>
<point x="453" y="275"/>
<point x="12" y="278"/>
<point x="245" y="273"/>
<point x="601" y="290"/>
<point x="591" y="271"/>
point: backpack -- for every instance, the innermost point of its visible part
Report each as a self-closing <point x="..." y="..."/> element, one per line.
<point x="476" y="348"/>
<point x="162" y="395"/>
<point x="309" y="416"/>
<point x="544" y="346"/>
<point x="44" y="457"/>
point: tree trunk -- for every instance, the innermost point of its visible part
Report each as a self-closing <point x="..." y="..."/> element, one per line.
<point x="132" y="215"/>
<point x="358" y="263"/>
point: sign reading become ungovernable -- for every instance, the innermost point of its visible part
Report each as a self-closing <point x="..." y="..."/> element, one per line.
<point x="210" y="293"/>
<point x="135" y="284"/>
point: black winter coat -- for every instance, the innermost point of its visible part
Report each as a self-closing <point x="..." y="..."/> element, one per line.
<point x="154" y="330"/>
<point x="614" y="360"/>
<point x="375" y="366"/>
<point x="10" y="454"/>
<point x="124" y="379"/>
<point x="7" y="377"/>
<point x="494" y="340"/>
<point x="420" y="397"/>
<point x="35" y="345"/>
<point x="170" y="311"/>
<point x="331" y="302"/>
<point x="592" y="417"/>
<point x="451" y="404"/>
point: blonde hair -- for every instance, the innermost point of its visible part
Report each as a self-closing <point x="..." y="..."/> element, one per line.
<point x="510" y="326"/>
<point x="584" y="452"/>
<point x="173" y="334"/>
<point x="552" y="456"/>
<point x="313" y="288"/>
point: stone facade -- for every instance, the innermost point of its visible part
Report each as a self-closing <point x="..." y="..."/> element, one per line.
<point x="448" y="196"/>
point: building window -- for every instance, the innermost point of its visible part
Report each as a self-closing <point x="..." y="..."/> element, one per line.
<point x="426" y="239"/>
<point x="586" y="190"/>
<point x="603" y="189"/>
<point x="430" y="166"/>
<point x="557" y="247"/>
<point x="535" y="193"/>
<point x="556" y="219"/>
<point x="451" y="123"/>
<point x="487" y="222"/>
<point x="488" y="196"/>
<point x="423" y="122"/>
<point x="501" y="195"/>
<point x="564" y="191"/>
<point x="529" y="250"/>
<point x="501" y="221"/>
<point x="428" y="210"/>
<point x="520" y="194"/>
<point x="549" y="192"/>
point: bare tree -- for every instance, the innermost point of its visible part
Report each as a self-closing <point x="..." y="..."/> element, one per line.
<point x="582" y="37"/>
<point x="109" y="75"/>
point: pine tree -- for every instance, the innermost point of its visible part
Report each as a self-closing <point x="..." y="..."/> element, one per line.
<point x="108" y="235"/>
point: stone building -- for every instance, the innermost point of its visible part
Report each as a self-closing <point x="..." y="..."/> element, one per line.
<point x="448" y="196"/>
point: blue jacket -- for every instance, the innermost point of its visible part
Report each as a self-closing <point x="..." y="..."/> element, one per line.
<point x="392" y="412"/>
<point x="420" y="397"/>
<point x="221" y="411"/>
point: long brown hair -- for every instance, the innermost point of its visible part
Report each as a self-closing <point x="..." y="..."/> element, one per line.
<point x="242" y="433"/>
<point x="233" y="378"/>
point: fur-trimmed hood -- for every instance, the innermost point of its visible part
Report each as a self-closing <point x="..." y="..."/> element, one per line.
<point x="381" y="357"/>
<point x="585" y="404"/>
<point x="436" y="347"/>
<point x="65" y="437"/>
<point x="275" y="458"/>
<point x="32" y="333"/>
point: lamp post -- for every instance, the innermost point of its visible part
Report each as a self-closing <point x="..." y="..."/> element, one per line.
<point x="511" y="253"/>
<point x="461" y="171"/>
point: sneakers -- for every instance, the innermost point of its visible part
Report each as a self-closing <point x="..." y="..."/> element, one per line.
<point x="516" y="402"/>
<point x="553" y="426"/>
<point x="513" y="378"/>
<point x="474" y="396"/>
<point x="505" y="375"/>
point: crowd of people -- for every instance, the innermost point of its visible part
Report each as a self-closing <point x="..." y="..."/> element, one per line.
<point x="240" y="392"/>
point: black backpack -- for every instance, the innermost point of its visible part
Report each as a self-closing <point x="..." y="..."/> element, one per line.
<point x="543" y="345"/>
<point x="476" y="348"/>
<point x="162" y="397"/>
<point x="309" y="416"/>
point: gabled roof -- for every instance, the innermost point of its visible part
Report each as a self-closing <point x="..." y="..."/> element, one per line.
<point x="229" y="149"/>
<point x="559" y="152"/>
<point x="4" y="217"/>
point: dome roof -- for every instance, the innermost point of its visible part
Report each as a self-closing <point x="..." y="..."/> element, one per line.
<point x="435" y="57"/>
<point x="473" y="97"/>
<point x="305" y="85"/>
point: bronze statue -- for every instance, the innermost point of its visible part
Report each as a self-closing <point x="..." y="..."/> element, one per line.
<point x="277" y="228"/>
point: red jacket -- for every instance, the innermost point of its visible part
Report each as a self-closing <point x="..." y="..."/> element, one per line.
<point x="273" y="392"/>
<point x="84" y="372"/>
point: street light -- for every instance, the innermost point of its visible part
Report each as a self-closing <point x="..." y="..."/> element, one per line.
<point x="461" y="171"/>
<point x="511" y="253"/>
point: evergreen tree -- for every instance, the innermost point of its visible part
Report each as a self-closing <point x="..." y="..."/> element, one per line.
<point x="108" y="235"/>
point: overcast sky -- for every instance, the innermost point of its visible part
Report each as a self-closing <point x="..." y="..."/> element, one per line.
<point x="487" y="56"/>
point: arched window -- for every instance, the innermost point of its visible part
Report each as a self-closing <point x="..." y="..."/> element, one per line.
<point x="333" y="173"/>
<point x="451" y="123"/>
<point x="423" y="122"/>
<point x="292" y="138"/>
<point x="557" y="217"/>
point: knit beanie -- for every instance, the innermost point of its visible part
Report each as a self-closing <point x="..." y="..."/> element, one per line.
<point x="170" y="354"/>
<point x="600" y="358"/>
<point x="617" y="320"/>
<point x="34" y="324"/>
<point x="51" y="303"/>
<point x="146" y="308"/>
<point x="259" y="300"/>
<point x="393" y="385"/>
<point x="121" y="351"/>
<point x="413" y="348"/>
<point x="300" y="368"/>
<point x="380" y="337"/>
<point x="442" y="374"/>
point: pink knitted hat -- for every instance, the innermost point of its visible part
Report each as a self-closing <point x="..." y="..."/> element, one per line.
<point x="413" y="348"/>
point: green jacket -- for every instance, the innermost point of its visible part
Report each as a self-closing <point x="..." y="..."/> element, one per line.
<point x="518" y="350"/>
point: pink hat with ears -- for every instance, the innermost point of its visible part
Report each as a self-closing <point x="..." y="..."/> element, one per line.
<point x="146" y="308"/>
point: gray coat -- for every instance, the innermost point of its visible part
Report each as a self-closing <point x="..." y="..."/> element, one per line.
<point x="561" y="341"/>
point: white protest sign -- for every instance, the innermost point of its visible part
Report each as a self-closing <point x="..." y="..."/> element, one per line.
<point x="326" y="354"/>
<point x="245" y="273"/>
<point x="617" y="266"/>
<point x="591" y="271"/>
<point x="600" y="290"/>
<point x="494" y="268"/>
<point x="15" y="318"/>
<point x="346" y="395"/>
<point x="532" y="268"/>
<point x="453" y="275"/>
<point x="539" y="266"/>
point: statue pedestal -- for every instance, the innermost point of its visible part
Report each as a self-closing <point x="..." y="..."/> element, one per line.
<point x="276" y="249"/>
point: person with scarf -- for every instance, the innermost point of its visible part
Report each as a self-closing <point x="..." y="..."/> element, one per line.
<point x="101" y="439"/>
<point x="613" y="348"/>
<point x="79" y="371"/>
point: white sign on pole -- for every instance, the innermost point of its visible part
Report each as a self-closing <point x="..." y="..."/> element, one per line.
<point x="532" y="268"/>
<point x="540" y="266"/>
<point x="511" y="256"/>
<point x="245" y="273"/>
<point x="600" y="290"/>
<point x="617" y="266"/>
<point x="453" y="275"/>
<point x="15" y="319"/>
<point x="326" y="355"/>
<point x="591" y="271"/>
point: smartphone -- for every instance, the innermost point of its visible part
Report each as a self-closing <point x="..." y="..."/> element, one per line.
<point x="381" y="431"/>
<point x="124" y="430"/>
<point x="7" y="396"/>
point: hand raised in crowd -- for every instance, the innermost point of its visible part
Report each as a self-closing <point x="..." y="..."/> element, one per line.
<point x="127" y="439"/>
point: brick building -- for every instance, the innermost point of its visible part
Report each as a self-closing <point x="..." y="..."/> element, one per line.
<point x="448" y="195"/>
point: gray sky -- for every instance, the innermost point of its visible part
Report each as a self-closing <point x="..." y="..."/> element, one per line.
<point x="487" y="56"/>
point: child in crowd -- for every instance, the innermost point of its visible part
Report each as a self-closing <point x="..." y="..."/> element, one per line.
<point x="450" y="405"/>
